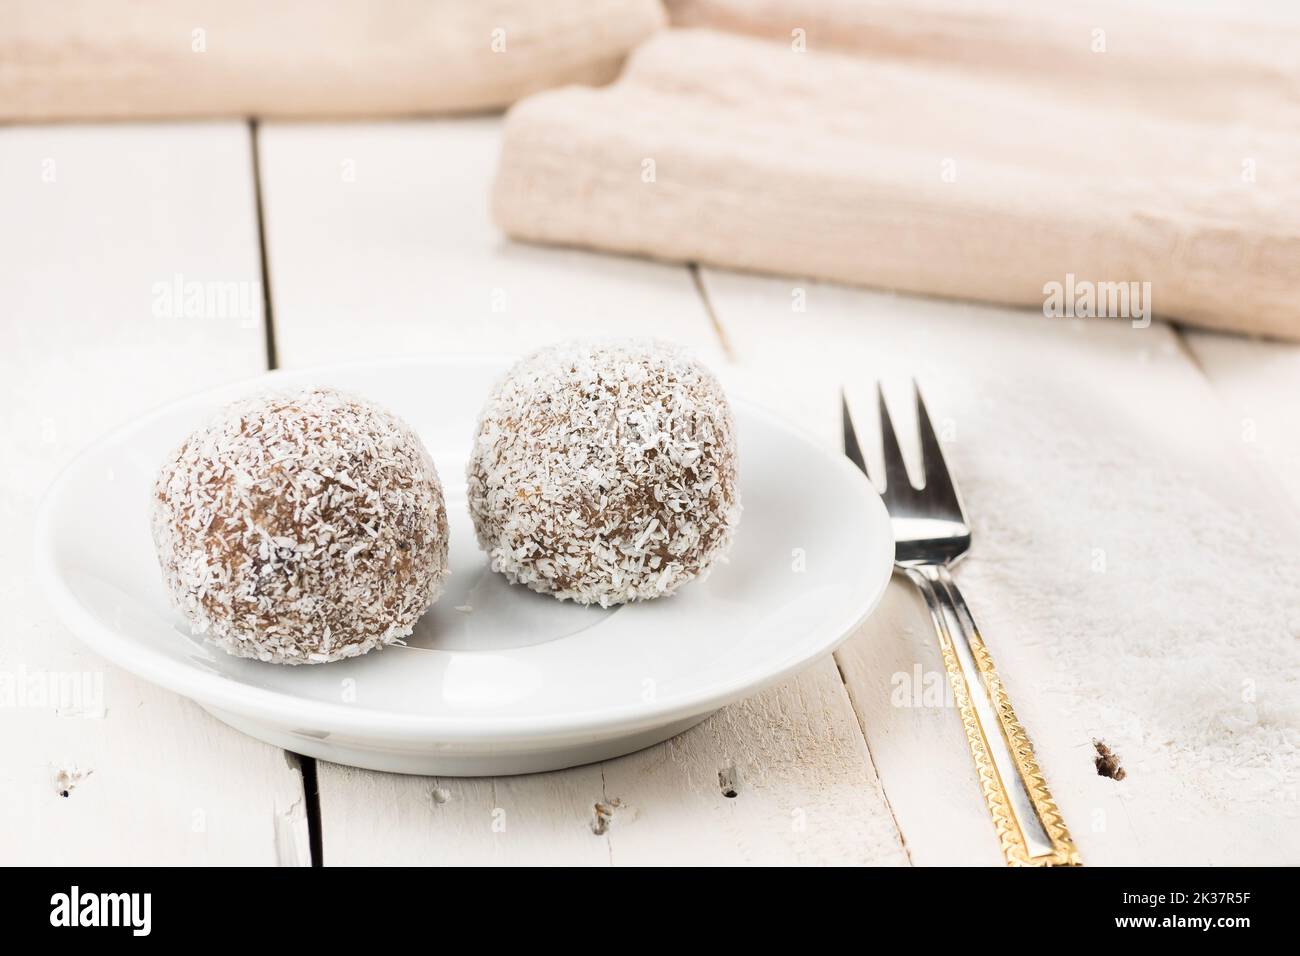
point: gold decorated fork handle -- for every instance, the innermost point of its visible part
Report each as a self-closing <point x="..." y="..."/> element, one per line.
<point x="1028" y="823"/>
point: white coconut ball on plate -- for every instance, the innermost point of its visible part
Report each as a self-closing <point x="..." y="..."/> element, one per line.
<point x="605" y="472"/>
<point x="301" y="527"/>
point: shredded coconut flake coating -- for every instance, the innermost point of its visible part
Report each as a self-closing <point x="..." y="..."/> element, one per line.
<point x="605" y="472"/>
<point x="301" y="528"/>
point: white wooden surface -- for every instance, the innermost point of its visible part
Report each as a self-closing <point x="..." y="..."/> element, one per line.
<point x="1120" y="571"/>
<point x="92" y="219"/>
<point x="395" y="253"/>
<point x="1259" y="382"/>
<point x="1068" y="439"/>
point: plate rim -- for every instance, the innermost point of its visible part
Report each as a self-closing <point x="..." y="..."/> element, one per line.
<point x="266" y="704"/>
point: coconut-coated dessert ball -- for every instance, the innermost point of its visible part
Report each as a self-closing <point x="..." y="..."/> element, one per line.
<point x="301" y="527"/>
<point x="605" y="472"/>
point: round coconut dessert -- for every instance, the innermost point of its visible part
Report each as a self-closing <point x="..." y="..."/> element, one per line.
<point x="301" y="528"/>
<point x="605" y="472"/>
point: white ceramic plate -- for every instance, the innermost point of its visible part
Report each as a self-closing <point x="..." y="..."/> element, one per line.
<point x="521" y="682"/>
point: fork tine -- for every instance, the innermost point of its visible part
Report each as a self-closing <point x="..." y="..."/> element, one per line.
<point x="938" y="482"/>
<point x="896" y="479"/>
<point x="851" y="447"/>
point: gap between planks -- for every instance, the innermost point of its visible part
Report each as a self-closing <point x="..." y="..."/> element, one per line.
<point x="272" y="361"/>
<point x="697" y="280"/>
<point x="306" y="765"/>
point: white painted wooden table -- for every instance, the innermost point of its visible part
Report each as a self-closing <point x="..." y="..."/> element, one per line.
<point x="376" y="241"/>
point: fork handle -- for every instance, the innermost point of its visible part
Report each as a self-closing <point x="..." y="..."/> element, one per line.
<point x="1029" y="825"/>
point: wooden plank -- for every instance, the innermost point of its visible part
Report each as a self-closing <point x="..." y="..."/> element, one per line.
<point x="1259" y="382"/>
<point x="802" y="784"/>
<point x="805" y="790"/>
<point x="100" y="223"/>
<point x="380" y="243"/>
<point x="1120" y="538"/>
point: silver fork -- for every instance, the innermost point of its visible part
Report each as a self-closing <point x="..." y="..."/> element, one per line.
<point x="931" y="534"/>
